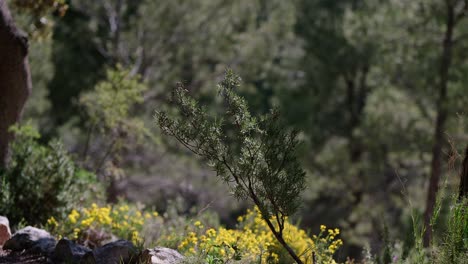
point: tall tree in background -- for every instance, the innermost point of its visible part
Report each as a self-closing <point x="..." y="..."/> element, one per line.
<point x="163" y="41"/>
<point x="338" y="59"/>
<point x="15" y="77"/>
<point x="455" y="12"/>
<point x="336" y="68"/>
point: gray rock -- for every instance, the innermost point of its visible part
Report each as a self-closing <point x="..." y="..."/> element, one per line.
<point x="68" y="251"/>
<point x="33" y="239"/>
<point x="120" y="251"/>
<point x="44" y="246"/>
<point x="5" y="232"/>
<point x="161" y="255"/>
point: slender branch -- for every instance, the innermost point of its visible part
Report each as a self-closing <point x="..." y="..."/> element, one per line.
<point x="278" y="235"/>
<point x="109" y="150"/>
<point x="88" y="140"/>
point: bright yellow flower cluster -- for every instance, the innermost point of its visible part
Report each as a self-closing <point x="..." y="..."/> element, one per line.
<point x="327" y="244"/>
<point x="254" y="242"/>
<point x="72" y="217"/>
<point x="52" y="222"/>
<point x="228" y="243"/>
<point x="122" y="221"/>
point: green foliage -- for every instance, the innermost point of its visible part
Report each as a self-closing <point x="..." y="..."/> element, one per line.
<point x="109" y="114"/>
<point x="256" y="156"/>
<point x="41" y="7"/>
<point x="450" y="246"/>
<point x="188" y="40"/>
<point x="176" y="226"/>
<point x="42" y="180"/>
<point x="73" y="47"/>
<point x="109" y="104"/>
<point x="39" y="15"/>
<point x="357" y="77"/>
<point x="454" y="244"/>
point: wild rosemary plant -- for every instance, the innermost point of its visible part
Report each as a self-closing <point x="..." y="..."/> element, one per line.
<point x="255" y="156"/>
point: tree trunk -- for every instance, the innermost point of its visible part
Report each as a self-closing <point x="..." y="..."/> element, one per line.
<point x="15" y="78"/>
<point x="463" y="190"/>
<point x="356" y="96"/>
<point x="436" y="164"/>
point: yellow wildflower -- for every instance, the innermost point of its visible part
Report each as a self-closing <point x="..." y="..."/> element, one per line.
<point x="337" y="231"/>
<point x="147" y="215"/>
<point x="76" y="232"/>
<point x="72" y="217"/>
<point x="52" y="222"/>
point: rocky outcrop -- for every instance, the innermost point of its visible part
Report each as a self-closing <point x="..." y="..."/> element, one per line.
<point x="68" y="251"/>
<point x="31" y="239"/>
<point x="120" y="251"/>
<point x="161" y="255"/>
<point x="5" y="232"/>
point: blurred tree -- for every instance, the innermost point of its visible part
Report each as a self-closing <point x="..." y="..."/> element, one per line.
<point x="453" y="14"/>
<point x="163" y="41"/>
<point x="366" y="68"/>
<point x="166" y="42"/>
<point x="340" y="57"/>
<point x="37" y="108"/>
<point x="111" y="126"/>
<point x="428" y="58"/>
<point x="78" y="65"/>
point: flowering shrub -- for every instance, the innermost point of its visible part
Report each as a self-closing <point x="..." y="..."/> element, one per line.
<point x="251" y="242"/>
<point x="93" y="226"/>
<point x="254" y="242"/>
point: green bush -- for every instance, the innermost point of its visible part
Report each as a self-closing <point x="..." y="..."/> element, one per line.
<point x="41" y="181"/>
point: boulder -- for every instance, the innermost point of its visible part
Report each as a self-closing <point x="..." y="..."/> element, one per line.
<point x="32" y="239"/>
<point x="67" y="251"/>
<point x="161" y="255"/>
<point x="5" y="232"/>
<point x="44" y="246"/>
<point x="120" y="251"/>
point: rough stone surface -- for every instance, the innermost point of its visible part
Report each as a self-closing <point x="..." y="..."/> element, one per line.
<point x="44" y="246"/>
<point x="68" y="251"/>
<point x="31" y="238"/>
<point x="161" y="255"/>
<point x="120" y="251"/>
<point x="5" y="232"/>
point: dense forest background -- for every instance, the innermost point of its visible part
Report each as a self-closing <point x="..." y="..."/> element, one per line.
<point x="378" y="89"/>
